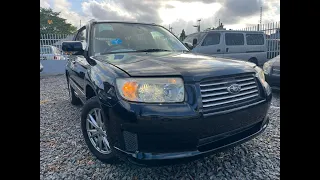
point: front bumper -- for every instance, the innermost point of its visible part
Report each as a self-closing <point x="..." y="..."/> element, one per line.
<point x="231" y="139"/>
<point x="148" y="133"/>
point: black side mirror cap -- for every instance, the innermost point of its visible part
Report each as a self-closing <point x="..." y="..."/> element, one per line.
<point x="72" y="46"/>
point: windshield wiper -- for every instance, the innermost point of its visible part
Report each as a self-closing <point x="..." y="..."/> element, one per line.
<point x="152" y="50"/>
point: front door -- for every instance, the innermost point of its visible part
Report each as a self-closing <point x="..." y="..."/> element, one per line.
<point x="211" y="45"/>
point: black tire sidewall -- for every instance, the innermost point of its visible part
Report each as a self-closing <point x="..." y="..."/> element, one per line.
<point x="89" y="105"/>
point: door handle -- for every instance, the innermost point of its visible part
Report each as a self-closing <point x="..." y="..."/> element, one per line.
<point x="218" y="50"/>
<point x="227" y="49"/>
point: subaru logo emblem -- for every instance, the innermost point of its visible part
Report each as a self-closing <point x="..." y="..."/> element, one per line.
<point x="234" y="88"/>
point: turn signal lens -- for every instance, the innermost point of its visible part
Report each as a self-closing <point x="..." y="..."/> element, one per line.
<point x="129" y="90"/>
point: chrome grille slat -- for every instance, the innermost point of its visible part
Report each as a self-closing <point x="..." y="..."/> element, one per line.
<point x="228" y="97"/>
<point x="226" y="92"/>
<point x="216" y="97"/>
<point x="213" y="89"/>
<point x="234" y="100"/>
<point x="245" y="84"/>
<point x="225" y="87"/>
<point x="214" y="94"/>
<point x="220" y="83"/>
<point x="247" y="88"/>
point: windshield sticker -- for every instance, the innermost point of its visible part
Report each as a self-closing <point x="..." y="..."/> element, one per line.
<point x="116" y="41"/>
<point x="118" y="56"/>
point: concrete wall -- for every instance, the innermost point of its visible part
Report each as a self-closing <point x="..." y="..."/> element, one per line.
<point x="53" y="67"/>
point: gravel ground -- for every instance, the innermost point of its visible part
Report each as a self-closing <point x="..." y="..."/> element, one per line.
<point x="64" y="154"/>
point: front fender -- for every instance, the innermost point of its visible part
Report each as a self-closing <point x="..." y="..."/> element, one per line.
<point x="101" y="78"/>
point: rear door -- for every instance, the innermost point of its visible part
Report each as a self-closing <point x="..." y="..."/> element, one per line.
<point x="234" y="45"/>
<point x="79" y="65"/>
<point x="211" y="44"/>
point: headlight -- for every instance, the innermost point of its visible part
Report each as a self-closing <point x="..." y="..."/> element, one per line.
<point x="259" y="73"/>
<point x="151" y="90"/>
<point x="267" y="67"/>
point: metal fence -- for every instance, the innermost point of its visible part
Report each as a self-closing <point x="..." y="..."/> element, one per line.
<point x="50" y="46"/>
<point x="272" y="31"/>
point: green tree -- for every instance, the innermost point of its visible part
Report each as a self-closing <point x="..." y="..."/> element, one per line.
<point x="182" y="35"/>
<point x="51" y="23"/>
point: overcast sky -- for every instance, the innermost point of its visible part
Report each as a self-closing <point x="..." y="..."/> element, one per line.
<point x="180" y="14"/>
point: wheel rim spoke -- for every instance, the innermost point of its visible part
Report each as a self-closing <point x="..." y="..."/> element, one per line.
<point x="93" y="133"/>
<point x="100" y="142"/>
<point x="96" y="131"/>
<point x="92" y="121"/>
<point x="97" y="118"/>
<point x="106" y="143"/>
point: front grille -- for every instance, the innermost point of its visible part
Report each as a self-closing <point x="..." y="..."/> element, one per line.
<point x="216" y="97"/>
<point x="276" y="71"/>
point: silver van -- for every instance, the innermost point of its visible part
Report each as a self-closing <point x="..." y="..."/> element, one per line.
<point x="243" y="45"/>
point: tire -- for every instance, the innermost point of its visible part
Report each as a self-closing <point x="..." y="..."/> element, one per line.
<point x="100" y="152"/>
<point x="253" y="60"/>
<point x="74" y="100"/>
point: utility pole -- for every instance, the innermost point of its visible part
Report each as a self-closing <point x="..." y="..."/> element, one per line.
<point x="260" y="15"/>
<point x="198" y="26"/>
<point x="260" y="21"/>
<point x="80" y="23"/>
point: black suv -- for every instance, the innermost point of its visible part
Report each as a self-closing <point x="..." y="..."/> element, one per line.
<point x="147" y="98"/>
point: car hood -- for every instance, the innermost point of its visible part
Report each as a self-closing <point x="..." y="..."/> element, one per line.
<point x="193" y="67"/>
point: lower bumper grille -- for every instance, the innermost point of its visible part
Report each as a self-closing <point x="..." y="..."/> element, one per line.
<point x="230" y="139"/>
<point x="131" y="141"/>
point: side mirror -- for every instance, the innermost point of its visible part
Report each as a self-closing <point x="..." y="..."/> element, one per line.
<point x="194" y="42"/>
<point x="189" y="45"/>
<point x="72" y="46"/>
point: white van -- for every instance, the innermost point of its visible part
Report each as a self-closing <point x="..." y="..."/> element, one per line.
<point x="243" y="45"/>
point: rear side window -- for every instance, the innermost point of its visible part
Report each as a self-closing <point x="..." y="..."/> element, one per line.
<point x="255" y="39"/>
<point x="234" y="39"/>
<point x="211" y="39"/>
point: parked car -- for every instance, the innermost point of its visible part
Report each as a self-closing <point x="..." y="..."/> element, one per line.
<point x="147" y="98"/>
<point x="41" y="67"/>
<point x="51" y="53"/>
<point x="243" y="45"/>
<point x="272" y="72"/>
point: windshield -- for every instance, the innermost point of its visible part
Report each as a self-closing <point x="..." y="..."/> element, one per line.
<point x="111" y="38"/>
